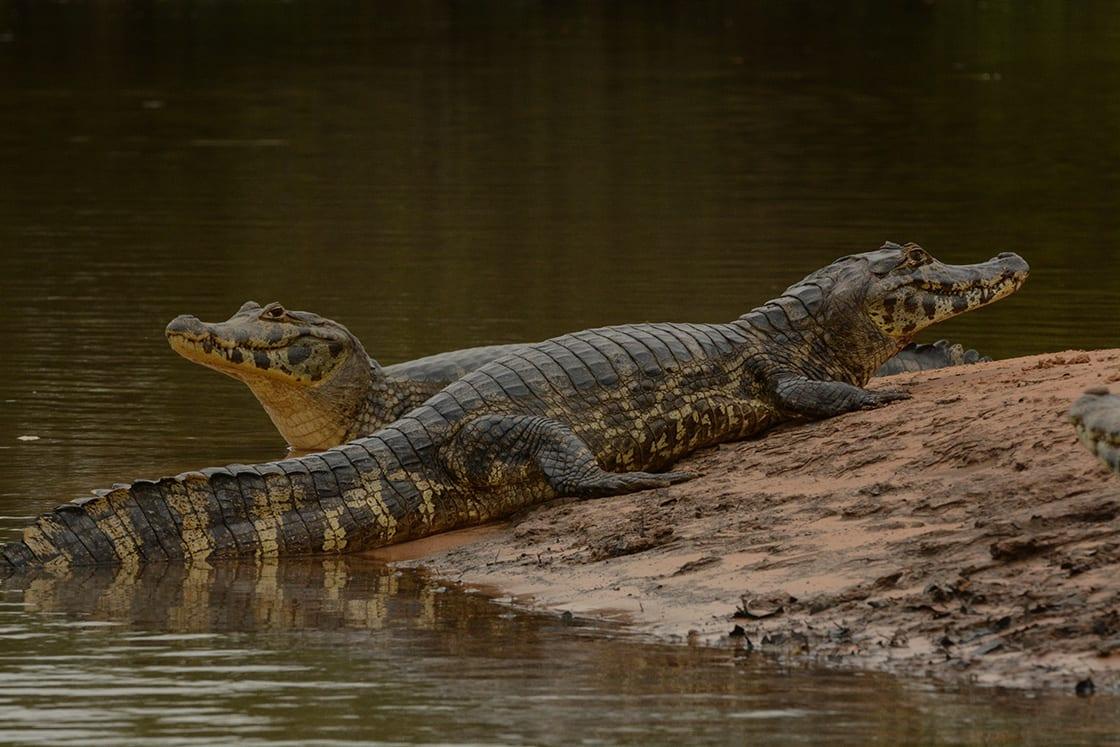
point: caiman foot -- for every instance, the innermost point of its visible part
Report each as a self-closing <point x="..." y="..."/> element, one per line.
<point x="882" y="397"/>
<point x="620" y="483"/>
<point x="808" y="398"/>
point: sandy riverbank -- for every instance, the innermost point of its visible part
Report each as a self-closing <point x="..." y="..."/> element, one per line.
<point x="960" y="534"/>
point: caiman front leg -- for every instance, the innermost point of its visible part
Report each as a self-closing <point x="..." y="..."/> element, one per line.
<point x="824" y="399"/>
<point x="501" y="450"/>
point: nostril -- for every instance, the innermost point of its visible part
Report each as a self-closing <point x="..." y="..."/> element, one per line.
<point x="1005" y="255"/>
<point x="184" y="323"/>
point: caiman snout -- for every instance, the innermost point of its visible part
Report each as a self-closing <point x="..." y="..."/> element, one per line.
<point x="1017" y="263"/>
<point x="1005" y="266"/>
<point x="1011" y="263"/>
<point x="187" y="325"/>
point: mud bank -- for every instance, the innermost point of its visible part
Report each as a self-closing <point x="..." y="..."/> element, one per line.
<point x="963" y="534"/>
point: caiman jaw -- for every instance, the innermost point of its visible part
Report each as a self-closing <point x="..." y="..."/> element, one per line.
<point x="253" y="345"/>
<point x="975" y="285"/>
<point x="204" y="344"/>
<point x="927" y="291"/>
<point x="193" y="339"/>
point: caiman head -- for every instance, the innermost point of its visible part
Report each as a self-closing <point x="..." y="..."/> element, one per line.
<point x="311" y="374"/>
<point x="1096" y="418"/>
<point x="869" y="306"/>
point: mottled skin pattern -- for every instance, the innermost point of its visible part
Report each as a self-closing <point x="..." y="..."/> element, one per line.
<point x="313" y="376"/>
<point x="1096" y="418"/>
<point x="593" y="413"/>
<point x="324" y="395"/>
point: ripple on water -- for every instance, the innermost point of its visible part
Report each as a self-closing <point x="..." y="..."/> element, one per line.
<point x="346" y="652"/>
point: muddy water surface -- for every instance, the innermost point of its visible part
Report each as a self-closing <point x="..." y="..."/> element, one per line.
<point x="348" y="652"/>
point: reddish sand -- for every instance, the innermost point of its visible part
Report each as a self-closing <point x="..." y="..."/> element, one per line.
<point x="961" y="534"/>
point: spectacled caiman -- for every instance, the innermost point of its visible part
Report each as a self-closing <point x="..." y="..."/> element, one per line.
<point x="594" y="413"/>
<point x="313" y="376"/>
<point x="1096" y="418"/>
<point x="928" y="357"/>
<point x="321" y="389"/>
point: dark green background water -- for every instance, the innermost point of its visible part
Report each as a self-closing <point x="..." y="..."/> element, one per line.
<point x="442" y="174"/>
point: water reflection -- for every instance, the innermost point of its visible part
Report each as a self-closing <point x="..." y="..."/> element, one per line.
<point x="331" y="594"/>
<point x="347" y="651"/>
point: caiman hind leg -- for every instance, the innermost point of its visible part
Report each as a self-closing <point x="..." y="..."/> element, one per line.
<point x="495" y="451"/>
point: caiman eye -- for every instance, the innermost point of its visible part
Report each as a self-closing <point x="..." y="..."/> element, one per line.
<point x="273" y="311"/>
<point x="916" y="255"/>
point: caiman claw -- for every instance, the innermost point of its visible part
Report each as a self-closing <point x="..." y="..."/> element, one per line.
<point x="884" y="397"/>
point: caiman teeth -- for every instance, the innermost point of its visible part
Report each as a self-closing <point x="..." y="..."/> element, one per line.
<point x="986" y="289"/>
<point x="209" y="340"/>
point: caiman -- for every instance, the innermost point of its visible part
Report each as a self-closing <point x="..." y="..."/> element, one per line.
<point x="312" y="375"/>
<point x="321" y="389"/>
<point x="928" y="357"/>
<point x="1096" y="418"/>
<point x="594" y="413"/>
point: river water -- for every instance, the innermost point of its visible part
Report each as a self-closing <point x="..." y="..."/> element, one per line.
<point x="347" y="652"/>
<point x="437" y="175"/>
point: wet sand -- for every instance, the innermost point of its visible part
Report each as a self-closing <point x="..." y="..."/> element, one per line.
<point x="960" y="535"/>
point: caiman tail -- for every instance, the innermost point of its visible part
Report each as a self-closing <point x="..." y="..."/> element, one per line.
<point x="345" y="499"/>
